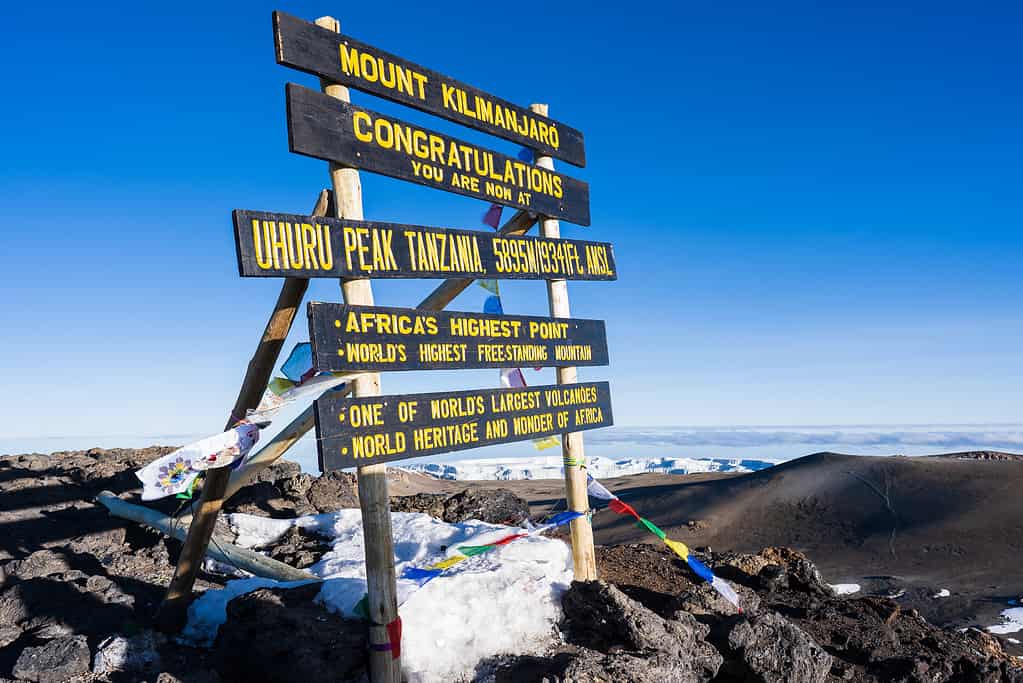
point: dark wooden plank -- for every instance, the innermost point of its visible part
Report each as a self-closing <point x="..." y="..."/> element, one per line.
<point x="342" y="59"/>
<point x="325" y="128"/>
<point x="360" y="431"/>
<point x="369" y="338"/>
<point x="289" y="245"/>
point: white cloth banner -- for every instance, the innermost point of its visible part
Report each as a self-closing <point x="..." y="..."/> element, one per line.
<point x="175" y="472"/>
<point x="271" y="403"/>
<point x="597" y="490"/>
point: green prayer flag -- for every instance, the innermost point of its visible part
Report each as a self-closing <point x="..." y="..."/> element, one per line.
<point x="643" y="521"/>
<point x="361" y="608"/>
<point x="470" y="550"/>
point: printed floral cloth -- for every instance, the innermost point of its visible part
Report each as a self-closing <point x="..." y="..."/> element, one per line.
<point x="175" y="472"/>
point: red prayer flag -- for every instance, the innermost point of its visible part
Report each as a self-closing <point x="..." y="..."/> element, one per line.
<point x="622" y="508"/>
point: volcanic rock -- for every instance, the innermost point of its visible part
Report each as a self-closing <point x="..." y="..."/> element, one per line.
<point x="495" y="506"/>
<point x="281" y="635"/>
<point x="769" y="649"/>
<point x="600" y="617"/>
<point x="55" y="661"/>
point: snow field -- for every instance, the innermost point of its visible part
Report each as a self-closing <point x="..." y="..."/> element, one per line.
<point x="504" y="601"/>
<point x="1012" y="622"/>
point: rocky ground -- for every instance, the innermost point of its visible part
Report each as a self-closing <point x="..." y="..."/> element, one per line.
<point x="78" y="589"/>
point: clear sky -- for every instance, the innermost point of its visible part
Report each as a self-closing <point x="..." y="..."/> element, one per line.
<point x="816" y="211"/>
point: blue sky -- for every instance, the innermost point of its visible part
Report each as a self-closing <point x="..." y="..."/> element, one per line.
<point x="816" y="211"/>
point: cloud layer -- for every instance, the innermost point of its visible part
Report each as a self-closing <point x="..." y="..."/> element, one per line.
<point x="941" y="438"/>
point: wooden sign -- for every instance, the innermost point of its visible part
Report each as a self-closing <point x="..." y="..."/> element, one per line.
<point x="323" y="127"/>
<point x="286" y="245"/>
<point x="363" y="431"/>
<point x="353" y="338"/>
<point x="342" y="59"/>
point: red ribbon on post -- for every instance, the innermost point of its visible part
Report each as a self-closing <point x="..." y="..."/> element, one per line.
<point x="394" y="633"/>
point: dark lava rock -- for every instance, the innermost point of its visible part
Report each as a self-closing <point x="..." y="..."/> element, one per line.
<point x="299" y="548"/>
<point x="55" y="661"/>
<point x="773" y="568"/>
<point x="591" y="667"/>
<point x="282" y="635"/>
<point x="496" y="506"/>
<point x="280" y="470"/>
<point x="769" y="649"/>
<point x="334" y="491"/>
<point x="703" y="601"/>
<point x="600" y="617"/>
<point x="429" y="503"/>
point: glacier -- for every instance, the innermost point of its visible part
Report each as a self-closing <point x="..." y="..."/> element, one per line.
<point x="550" y="467"/>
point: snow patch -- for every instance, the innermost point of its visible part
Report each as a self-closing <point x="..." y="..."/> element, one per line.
<point x="1012" y="621"/>
<point x="943" y="593"/>
<point x="845" y="588"/>
<point x="601" y="468"/>
<point x="504" y="601"/>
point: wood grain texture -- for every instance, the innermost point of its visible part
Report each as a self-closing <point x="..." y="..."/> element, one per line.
<point x="584" y="560"/>
<point x="291" y="245"/>
<point x="342" y="59"/>
<point x="376" y="338"/>
<point x="351" y="431"/>
<point x="374" y="500"/>
<point x="325" y="128"/>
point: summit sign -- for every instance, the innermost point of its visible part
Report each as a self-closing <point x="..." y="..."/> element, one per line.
<point x="342" y="59"/>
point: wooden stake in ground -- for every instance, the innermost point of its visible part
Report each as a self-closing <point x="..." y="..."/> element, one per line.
<point x="583" y="556"/>
<point x="173" y="611"/>
<point x="384" y="665"/>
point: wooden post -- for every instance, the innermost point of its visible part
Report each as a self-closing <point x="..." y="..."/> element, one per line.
<point x="381" y="585"/>
<point x="583" y="556"/>
<point x="173" y="611"/>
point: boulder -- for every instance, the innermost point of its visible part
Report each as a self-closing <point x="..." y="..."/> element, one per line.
<point x="496" y="506"/>
<point x="600" y="617"/>
<point x="592" y="667"/>
<point x="429" y="503"/>
<point x="334" y="491"/>
<point x="281" y="635"/>
<point x="54" y="661"/>
<point x="40" y="563"/>
<point x="299" y="547"/>
<point x="769" y="649"/>
<point x="139" y="653"/>
<point x="703" y="601"/>
<point x="282" y="469"/>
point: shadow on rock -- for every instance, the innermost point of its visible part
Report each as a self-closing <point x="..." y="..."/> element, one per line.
<point x="283" y="635"/>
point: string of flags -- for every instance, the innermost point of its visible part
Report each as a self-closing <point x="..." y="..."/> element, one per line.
<point x="460" y="553"/>
<point x="177" y="473"/>
<point x="414" y="578"/>
<point x="616" y="504"/>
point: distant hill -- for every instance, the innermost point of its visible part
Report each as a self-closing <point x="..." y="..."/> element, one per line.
<point x="957" y="521"/>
